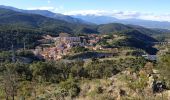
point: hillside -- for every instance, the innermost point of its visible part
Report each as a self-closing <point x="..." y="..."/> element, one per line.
<point x="136" y="39"/>
<point x="47" y="13"/>
<point x="38" y="22"/>
<point x="108" y="28"/>
<point x="112" y="27"/>
<point x="136" y="36"/>
<point x="9" y="17"/>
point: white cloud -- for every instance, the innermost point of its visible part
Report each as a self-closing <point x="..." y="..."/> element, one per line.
<point x="87" y="12"/>
<point x="122" y="14"/>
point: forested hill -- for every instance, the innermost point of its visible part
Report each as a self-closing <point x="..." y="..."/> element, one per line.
<point x="33" y="21"/>
<point x="112" y="27"/>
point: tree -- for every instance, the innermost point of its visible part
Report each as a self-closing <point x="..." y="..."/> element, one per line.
<point x="42" y="70"/>
<point x="10" y="81"/>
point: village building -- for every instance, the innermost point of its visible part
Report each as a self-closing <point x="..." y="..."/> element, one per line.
<point x="150" y="57"/>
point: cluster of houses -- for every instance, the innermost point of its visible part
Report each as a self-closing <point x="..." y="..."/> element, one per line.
<point x="63" y="44"/>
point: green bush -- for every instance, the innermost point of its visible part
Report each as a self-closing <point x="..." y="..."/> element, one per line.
<point x="78" y="49"/>
<point x="101" y="69"/>
<point x="71" y="87"/>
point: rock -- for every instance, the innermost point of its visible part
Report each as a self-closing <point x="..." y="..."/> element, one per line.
<point x="155" y="71"/>
<point x="158" y="86"/>
<point x="150" y="82"/>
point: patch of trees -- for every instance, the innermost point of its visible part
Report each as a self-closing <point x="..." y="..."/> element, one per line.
<point x="59" y="71"/>
<point x="18" y="37"/>
<point x="5" y="55"/>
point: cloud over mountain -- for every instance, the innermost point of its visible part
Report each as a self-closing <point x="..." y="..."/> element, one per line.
<point x="122" y="14"/>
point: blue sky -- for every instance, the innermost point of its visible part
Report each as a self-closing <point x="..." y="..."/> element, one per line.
<point x="144" y="9"/>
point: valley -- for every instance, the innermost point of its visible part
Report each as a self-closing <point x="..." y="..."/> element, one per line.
<point x="50" y="56"/>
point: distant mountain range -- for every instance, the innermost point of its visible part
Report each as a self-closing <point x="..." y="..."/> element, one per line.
<point x="106" y="19"/>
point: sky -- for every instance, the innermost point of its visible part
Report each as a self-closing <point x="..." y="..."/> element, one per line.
<point x="123" y="9"/>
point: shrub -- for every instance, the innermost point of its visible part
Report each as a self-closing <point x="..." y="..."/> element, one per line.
<point x="78" y="49"/>
<point x="70" y="86"/>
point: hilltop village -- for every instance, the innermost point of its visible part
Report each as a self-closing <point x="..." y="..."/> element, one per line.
<point x="54" y="48"/>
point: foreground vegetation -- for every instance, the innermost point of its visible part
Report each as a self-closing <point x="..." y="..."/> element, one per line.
<point x="125" y="75"/>
<point x="94" y="79"/>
